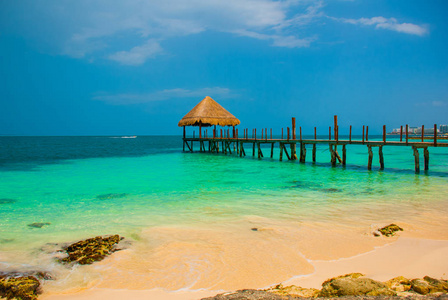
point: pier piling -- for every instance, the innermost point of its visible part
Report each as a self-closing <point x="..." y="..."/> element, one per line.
<point x="288" y="146"/>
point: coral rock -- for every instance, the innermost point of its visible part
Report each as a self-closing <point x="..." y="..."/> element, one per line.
<point x="295" y="291"/>
<point x="24" y="288"/>
<point x="390" y="230"/>
<point x="399" y="284"/>
<point x="91" y="250"/>
<point x="353" y="285"/>
<point x="436" y="285"/>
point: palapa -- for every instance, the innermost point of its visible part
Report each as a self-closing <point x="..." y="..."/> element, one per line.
<point x="208" y="113"/>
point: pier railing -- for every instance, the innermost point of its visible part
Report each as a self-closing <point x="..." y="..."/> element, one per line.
<point x="226" y="140"/>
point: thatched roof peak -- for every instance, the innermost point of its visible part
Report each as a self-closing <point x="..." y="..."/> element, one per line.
<point x="208" y="113"/>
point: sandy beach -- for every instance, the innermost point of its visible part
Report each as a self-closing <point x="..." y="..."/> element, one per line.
<point x="406" y="255"/>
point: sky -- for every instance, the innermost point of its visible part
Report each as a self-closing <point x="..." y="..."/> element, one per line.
<point x="108" y="67"/>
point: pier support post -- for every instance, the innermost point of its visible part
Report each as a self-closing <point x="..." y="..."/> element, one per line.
<point x="253" y="149"/>
<point x="302" y="152"/>
<point x="344" y="155"/>
<point x="260" y="153"/>
<point x="314" y="153"/>
<point x="337" y="154"/>
<point x="369" y="163"/>
<point x="183" y="144"/>
<point x="242" y="152"/>
<point x="272" y="147"/>
<point x="333" y="156"/>
<point x="426" y="156"/>
<point x="417" y="160"/>
<point x="380" y="153"/>
<point x="281" y="151"/>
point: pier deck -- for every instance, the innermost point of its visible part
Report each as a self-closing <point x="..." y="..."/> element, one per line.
<point x="227" y="141"/>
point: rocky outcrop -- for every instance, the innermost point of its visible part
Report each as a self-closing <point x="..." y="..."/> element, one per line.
<point x="390" y="230"/>
<point x="354" y="285"/>
<point x="429" y="285"/>
<point x="350" y="286"/>
<point x="23" y="287"/>
<point x="294" y="291"/>
<point x="91" y="250"/>
<point x="248" y="295"/>
<point x="399" y="284"/>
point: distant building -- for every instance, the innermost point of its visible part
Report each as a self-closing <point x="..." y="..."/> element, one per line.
<point x="443" y="129"/>
<point x="418" y="130"/>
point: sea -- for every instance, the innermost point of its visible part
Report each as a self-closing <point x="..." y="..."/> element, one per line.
<point x="203" y="220"/>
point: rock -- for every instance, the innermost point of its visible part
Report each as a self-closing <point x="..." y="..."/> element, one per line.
<point x="436" y="285"/>
<point x="331" y="190"/>
<point x="111" y="196"/>
<point x="38" y="225"/>
<point x="247" y="295"/>
<point x="24" y="287"/>
<point x="399" y="284"/>
<point x="37" y="274"/>
<point x="420" y="286"/>
<point x="350" y="275"/>
<point x="353" y="285"/>
<point x="7" y="201"/>
<point x="294" y="291"/>
<point x="254" y="229"/>
<point x="91" y="250"/>
<point x="390" y="230"/>
<point x="376" y="233"/>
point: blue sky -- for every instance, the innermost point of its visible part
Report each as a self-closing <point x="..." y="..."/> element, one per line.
<point x="137" y="67"/>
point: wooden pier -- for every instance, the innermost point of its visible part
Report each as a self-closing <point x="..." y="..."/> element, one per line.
<point x="229" y="142"/>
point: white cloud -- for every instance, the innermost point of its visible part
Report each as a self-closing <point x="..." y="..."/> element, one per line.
<point x="438" y="103"/>
<point x="178" y="93"/>
<point x="390" y="24"/>
<point x="432" y="103"/>
<point x="119" y="30"/>
<point x="137" y="55"/>
<point x="277" y="40"/>
<point x="130" y="32"/>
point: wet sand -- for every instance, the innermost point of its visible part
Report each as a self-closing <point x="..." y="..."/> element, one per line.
<point x="192" y="263"/>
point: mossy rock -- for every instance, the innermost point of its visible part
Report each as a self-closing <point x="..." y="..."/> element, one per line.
<point x="22" y="288"/>
<point x="354" y="285"/>
<point x="293" y="291"/>
<point x="91" y="250"/>
<point x="399" y="284"/>
<point x="350" y="275"/>
<point x="390" y="230"/>
<point x="437" y="285"/>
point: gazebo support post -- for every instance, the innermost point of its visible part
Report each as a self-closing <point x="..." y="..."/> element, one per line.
<point x="183" y="144"/>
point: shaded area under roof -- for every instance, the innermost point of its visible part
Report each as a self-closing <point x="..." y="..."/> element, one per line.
<point x="208" y="113"/>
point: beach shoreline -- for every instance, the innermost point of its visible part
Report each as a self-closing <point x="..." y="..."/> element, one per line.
<point x="407" y="256"/>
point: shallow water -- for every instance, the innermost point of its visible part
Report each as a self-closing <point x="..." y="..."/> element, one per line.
<point x="190" y="216"/>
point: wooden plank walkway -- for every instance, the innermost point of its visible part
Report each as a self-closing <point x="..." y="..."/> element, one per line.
<point x="226" y="144"/>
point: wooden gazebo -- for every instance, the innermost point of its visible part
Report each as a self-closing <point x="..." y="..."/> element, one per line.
<point x="208" y="113"/>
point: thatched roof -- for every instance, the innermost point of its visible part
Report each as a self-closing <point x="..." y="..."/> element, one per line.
<point x="208" y="113"/>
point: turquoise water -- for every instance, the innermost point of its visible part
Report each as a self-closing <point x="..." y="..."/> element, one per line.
<point x="94" y="186"/>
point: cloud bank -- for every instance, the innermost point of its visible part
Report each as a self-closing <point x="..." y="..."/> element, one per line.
<point x="132" y="32"/>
